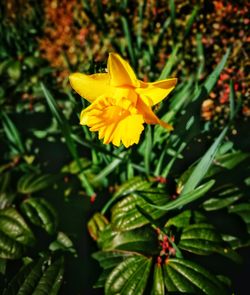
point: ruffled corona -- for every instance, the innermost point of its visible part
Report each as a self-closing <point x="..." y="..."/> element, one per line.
<point x="120" y="103"/>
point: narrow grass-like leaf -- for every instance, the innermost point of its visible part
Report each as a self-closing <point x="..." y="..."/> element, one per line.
<point x="12" y="134"/>
<point x="109" y="169"/>
<point x="148" y="150"/>
<point x="191" y="20"/>
<point x="127" y="34"/>
<point x="204" y="164"/>
<point x="184" y="199"/>
<point x="170" y="63"/>
<point x="67" y="132"/>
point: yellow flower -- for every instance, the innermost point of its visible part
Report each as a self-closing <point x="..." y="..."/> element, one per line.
<point x="120" y="103"/>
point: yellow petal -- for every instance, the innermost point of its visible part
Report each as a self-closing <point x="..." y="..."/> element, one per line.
<point x="153" y="93"/>
<point x="114" y="123"/>
<point x="91" y="87"/>
<point x="128" y="130"/>
<point x="121" y="73"/>
<point x="149" y="116"/>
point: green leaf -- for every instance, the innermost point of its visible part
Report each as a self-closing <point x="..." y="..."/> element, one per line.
<point x="201" y="239"/>
<point x="170" y="63"/>
<point x="223" y="198"/>
<point x="38" y="278"/>
<point x="30" y="183"/>
<point x="186" y="276"/>
<point x="15" y="235"/>
<point x="214" y="76"/>
<point x="141" y="240"/>
<point x="12" y="134"/>
<point x="243" y="210"/>
<point x="227" y="161"/>
<point x="109" y="168"/>
<point x="14" y="70"/>
<point x="41" y="213"/>
<point x="191" y="20"/>
<point x="108" y="260"/>
<point x="125" y="214"/>
<point x="128" y="187"/>
<point x="51" y="280"/>
<point x="96" y="225"/>
<point x="180" y="220"/>
<point x="185" y="199"/>
<point x="68" y="135"/>
<point x="158" y="282"/>
<point x="6" y="196"/>
<point x="64" y="243"/>
<point x="148" y="150"/>
<point x="203" y="165"/>
<point x="129" y="277"/>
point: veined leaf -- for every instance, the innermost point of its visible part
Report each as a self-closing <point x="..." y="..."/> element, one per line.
<point x="128" y="187"/>
<point x="41" y="213"/>
<point x="141" y="240"/>
<point x="15" y="235"/>
<point x="125" y="214"/>
<point x="129" y="277"/>
<point x="158" y="282"/>
<point x="30" y="183"/>
<point x="39" y="278"/>
<point x="184" y="219"/>
<point x="96" y="224"/>
<point x="186" y="276"/>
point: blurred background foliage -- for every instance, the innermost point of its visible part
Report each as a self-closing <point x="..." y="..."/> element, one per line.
<point x="50" y="166"/>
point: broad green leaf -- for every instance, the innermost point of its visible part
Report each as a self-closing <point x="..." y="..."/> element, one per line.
<point x="96" y="224"/>
<point x="41" y="213"/>
<point x="202" y="239"/>
<point x="128" y="187"/>
<point x="184" y="219"/>
<point x="109" y="259"/>
<point x="38" y="278"/>
<point x="30" y="183"/>
<point x="15" y="235"/>
<point x="158" y="282"/>
<point x="181" y="220"/>
<point x="129" y="277"/>
<point x="243" y="210"/>
<point x="185" y="199"/>
<point x="51" y="280"/>
<point x="62" y="242"/>
<point x="186" y="276"/>
<point x="125" y="214"/>
<point x="142" y="240"/>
